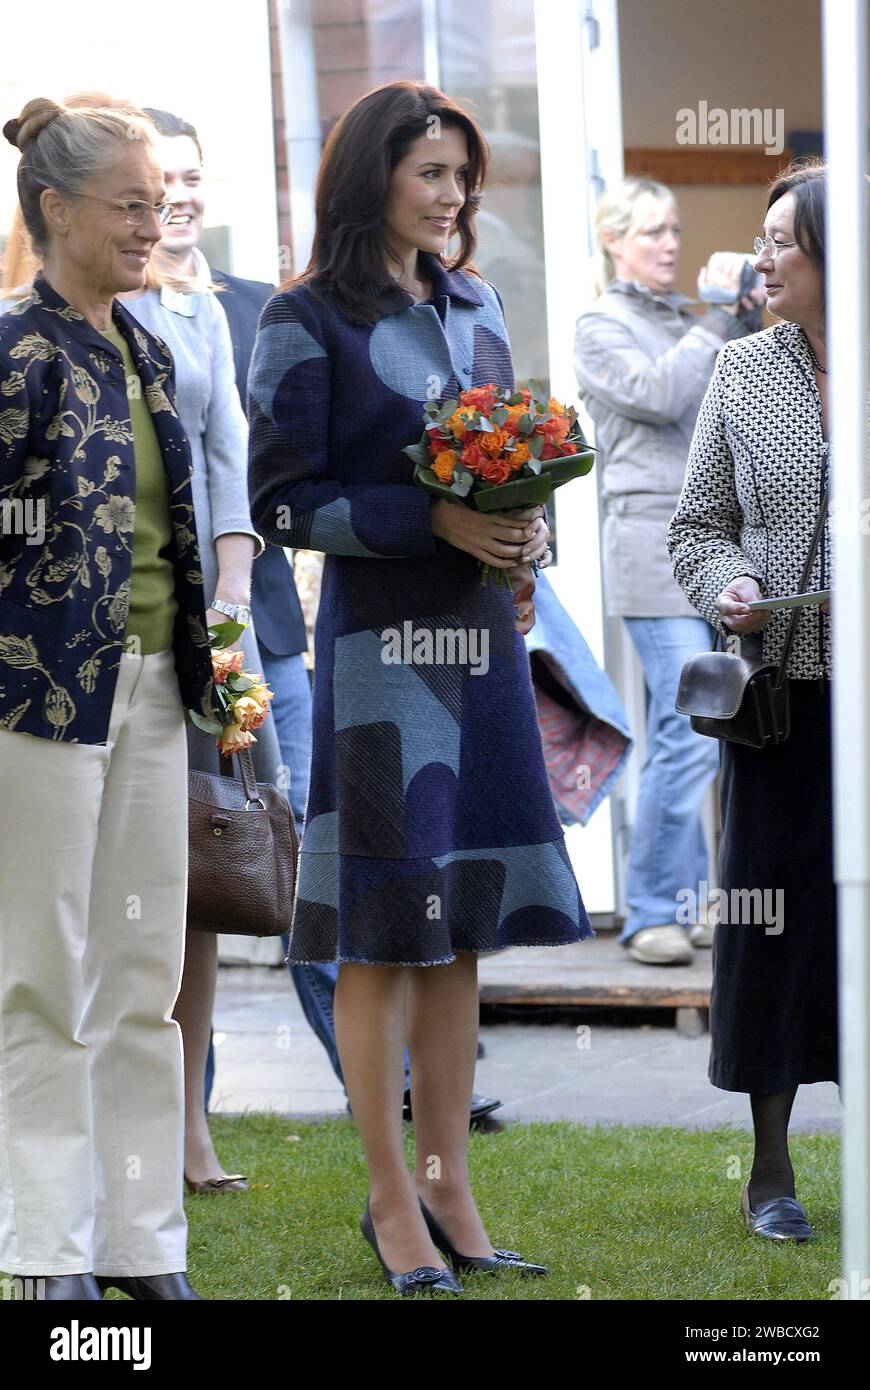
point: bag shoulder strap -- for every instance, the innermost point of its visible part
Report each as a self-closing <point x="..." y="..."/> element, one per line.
<point x="792" y="627"/>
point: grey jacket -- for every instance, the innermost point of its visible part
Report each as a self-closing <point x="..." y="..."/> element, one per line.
<point x="194" y="328"/>
<point x="643" y="362"/>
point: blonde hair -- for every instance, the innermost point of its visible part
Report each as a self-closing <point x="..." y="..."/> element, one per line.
<point x="623" y="209"/>
<point x="20" y="262"/>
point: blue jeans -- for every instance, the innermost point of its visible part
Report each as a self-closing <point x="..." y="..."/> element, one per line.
<point x="667" y="843"/>
<point x="291" y="708"/>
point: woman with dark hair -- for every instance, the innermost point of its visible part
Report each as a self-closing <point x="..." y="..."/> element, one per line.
<point x="280" y="640"/>
<point x="756" y="483"/>
<point x="430" y="832"/>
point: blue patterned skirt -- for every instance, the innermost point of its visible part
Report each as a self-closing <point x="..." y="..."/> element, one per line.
<point x="430" y="826"/>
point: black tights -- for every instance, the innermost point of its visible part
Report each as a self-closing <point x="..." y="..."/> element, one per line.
<point x="772" y="1174"/>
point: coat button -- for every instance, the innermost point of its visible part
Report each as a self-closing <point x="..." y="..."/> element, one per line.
<point x="466" y="371"/>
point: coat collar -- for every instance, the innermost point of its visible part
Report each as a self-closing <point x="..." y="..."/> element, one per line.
<point x="186" y="302"/>
<point x="673" y="299"/>
<point x="149" y="353"/>
<point x="446" y="284"/>
<point x="791" y="335"/>
<point x="792" y="338"/>
<point x="452" y="283"/>
<point x="42" y="296"/>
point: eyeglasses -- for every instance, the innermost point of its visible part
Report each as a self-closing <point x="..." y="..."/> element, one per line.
<point x="134" y="209"/>
<point x="766" y="244"/>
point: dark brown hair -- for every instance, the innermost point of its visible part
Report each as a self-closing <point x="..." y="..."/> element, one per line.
<point x="173" y="126"/>
<point x="353" y="182"/>
<point x="807" y="181"/>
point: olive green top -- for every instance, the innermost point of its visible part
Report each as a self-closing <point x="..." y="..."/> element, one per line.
<point x="153" y="604"/>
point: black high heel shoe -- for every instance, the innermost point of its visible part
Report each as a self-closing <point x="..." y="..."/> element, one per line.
<point x="466" y="1264"/>
<point x="425" y="1279"/>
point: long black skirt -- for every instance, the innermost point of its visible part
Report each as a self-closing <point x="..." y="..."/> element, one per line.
<point x="773" y="1008"/>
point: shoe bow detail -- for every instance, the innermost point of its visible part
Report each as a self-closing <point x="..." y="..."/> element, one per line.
<point x="426" y="1274"/>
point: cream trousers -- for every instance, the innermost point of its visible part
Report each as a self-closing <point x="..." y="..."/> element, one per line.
<point x="93" y="882"/>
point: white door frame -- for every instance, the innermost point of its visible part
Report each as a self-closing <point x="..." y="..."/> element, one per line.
<point x="845" y="54"/>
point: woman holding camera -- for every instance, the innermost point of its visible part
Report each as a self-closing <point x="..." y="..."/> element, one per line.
<point x="643" y="361"/>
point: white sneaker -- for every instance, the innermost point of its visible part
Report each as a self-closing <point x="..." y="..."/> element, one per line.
<point x="667" y="945"/>
<point x="701" y="934"/>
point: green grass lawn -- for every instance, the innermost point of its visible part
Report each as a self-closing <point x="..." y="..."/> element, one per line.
<point x="628" y="1213"/>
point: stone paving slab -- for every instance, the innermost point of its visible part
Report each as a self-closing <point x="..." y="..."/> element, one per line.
<point x="268" y="1059"/>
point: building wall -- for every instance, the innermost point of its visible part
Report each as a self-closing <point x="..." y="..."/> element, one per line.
<point x="206" y="60"/>
<point x="677" y="53"/>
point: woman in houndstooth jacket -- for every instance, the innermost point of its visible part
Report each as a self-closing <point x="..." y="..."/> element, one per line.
<point x="742" y="529"/>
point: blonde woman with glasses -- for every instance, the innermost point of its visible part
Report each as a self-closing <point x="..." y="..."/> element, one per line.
<point x="643" y="360"/>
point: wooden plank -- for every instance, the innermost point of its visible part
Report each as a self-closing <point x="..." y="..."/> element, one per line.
<point x="614" y="996"/>
<point x="691" y="165"/>
<point x="595" y="972"/>
<point x="691" y="1023"/>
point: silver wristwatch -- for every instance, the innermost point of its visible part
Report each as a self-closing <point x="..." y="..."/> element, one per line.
<point x="239" y="612"/>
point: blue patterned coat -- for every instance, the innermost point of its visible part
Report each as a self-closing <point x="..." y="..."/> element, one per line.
<point x="67" y="468"/>
<point x="430" y="826"/>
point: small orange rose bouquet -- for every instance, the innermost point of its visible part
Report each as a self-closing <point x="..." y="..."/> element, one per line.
<point x="242" y="697"/>
<point x="496" y="450"/>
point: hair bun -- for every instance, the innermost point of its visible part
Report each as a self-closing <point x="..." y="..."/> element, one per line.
<point x="34" y="117"/>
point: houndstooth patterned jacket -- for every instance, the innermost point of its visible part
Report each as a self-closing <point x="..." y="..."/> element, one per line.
<point x="752" y="491"/>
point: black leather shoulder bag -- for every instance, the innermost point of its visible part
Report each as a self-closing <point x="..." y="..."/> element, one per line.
<point x="744" y="699"/>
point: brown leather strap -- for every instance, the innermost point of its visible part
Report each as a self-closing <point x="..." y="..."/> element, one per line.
<point x="245" y="764"/>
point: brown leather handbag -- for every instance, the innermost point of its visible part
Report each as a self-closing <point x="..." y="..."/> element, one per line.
<point x="243" y="852"/>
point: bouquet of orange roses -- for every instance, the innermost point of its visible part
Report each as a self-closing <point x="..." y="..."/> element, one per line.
<point x="243" y="698"/>
<point x="496" y="450"/>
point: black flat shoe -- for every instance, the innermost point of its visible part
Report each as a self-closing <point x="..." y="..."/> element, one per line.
<point x="425" y="1279"/>
<point x="466" y="1264"/>
<point x="149" y="1288"/>
<point x="782" y="1218"/>
<point x="60" y="1288"/>
<point x="480" y="1106"/>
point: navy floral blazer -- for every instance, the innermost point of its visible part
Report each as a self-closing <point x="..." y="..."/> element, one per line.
<point x="67" y="513"/>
